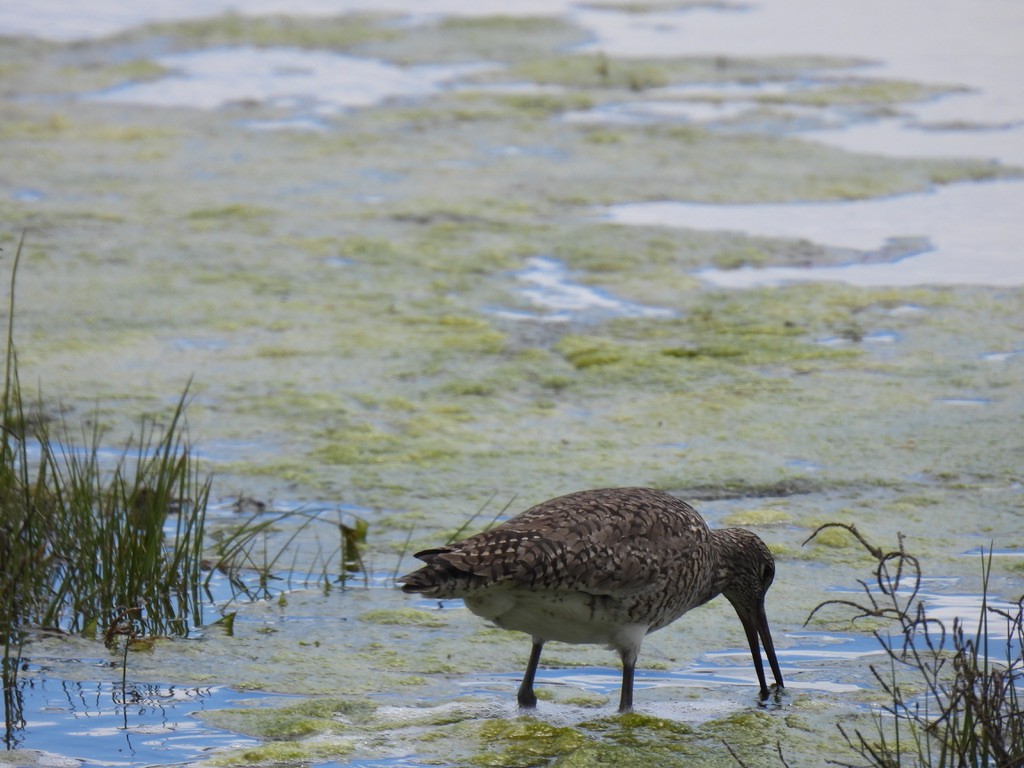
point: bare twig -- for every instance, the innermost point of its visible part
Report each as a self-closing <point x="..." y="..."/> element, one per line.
<point x="737" y="758"/>
<point x="977" y="718"/>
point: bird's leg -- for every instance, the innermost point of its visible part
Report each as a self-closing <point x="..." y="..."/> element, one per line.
<point x="526" y="698"/>
<point x="628" y="669"/>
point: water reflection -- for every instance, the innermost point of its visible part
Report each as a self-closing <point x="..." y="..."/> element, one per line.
<point x="101" y="723"/>
<point x="809" y="662"/>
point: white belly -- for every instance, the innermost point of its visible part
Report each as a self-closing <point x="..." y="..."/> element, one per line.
<point x="569" y="617"/>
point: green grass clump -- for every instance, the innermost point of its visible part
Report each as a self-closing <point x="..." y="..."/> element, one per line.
<point x="90" y="549"/>
<point x="116" y="549"/>
<point x="596" y="71"/>
<point x="85" y="547"/>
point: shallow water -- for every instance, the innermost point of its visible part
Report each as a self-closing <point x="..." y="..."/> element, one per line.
<point x="88" y="724"/>
<point x="985" y="120"/>
<point x="311" y="84"/>
<point x="973" y="231"/>
<point x="912" y="39"/>
<point x="547" y="286"/>
<point x="97" y="724"/>
<point x="387" y="276"/>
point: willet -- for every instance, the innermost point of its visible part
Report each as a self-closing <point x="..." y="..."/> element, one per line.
<point x="606" y="566"/>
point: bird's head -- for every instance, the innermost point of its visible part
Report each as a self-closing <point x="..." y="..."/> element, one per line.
<point x="747" y="570"/>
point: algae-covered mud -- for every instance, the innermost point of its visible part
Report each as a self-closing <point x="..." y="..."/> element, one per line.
<point x="390" y="249"/>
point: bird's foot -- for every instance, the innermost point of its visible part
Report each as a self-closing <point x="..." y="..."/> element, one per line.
<point x="771" y="695"/>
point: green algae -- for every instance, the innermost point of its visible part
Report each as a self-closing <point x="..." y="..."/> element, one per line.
<point x="613" y="755"/>
<point x="407" y="439"/>
<point x="290" y="722"/>
<point x="479" y="38"/>
<point x="872" y="92"/>
<point x="282" y="753"/>
<point x="721" y="168"/>
<point x="754" y="735"/>
<point x="234" y="212"/>
<point x="524" y="742"/>
<point x="599" y="71"/>
<point x="736" y="258"/>
<point x="587" y="351"/>
<point x="706" y="337"/>
<point x="538" y="105"/>
<point x="835" y="538"/>
<point x="586" y="700"/>
<point x="408" y="617"/>
<point x="633" y="739"/>
<point x="757" y="517"/>
<point x="637" y="728"/>
<point x="596" y="71"/>
<point x="333" y="33"/>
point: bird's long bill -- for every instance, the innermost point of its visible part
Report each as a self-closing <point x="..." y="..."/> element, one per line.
<point x="755" y="624"/>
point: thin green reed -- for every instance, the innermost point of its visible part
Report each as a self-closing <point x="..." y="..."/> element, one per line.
<point x="111" y="544"/>
<point x="86" y="540"/>
<point x="20" y="554"/>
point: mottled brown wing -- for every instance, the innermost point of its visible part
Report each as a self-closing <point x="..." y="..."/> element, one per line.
<point x="618" y="542"/>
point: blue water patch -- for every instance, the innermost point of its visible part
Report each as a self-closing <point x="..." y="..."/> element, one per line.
<point x="546" y="285"/>
<point x="99" y="724"/>
<point x="26" y="195"/>
<point x="208" y="344"/>
<point x="963" y="402"/>
<point x="1002" y="357"/>
<point x="299" y="124"/>
<point x="875" y="337"/>
<point x="804" y="465"/>
<point x="807" y="660"/>
<point x="985" y="550"/>
<point x="882" y="337"/>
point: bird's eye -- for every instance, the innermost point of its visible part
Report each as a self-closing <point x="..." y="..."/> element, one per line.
<point x="769" y="572"/>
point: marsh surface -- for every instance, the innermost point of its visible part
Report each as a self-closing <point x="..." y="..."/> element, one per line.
<point x="384" y="245"/>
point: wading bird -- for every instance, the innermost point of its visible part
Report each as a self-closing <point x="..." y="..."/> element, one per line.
<point x="605" y="566"/>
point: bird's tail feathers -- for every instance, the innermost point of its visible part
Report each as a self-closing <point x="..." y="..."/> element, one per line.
<point x="418" y="581"/>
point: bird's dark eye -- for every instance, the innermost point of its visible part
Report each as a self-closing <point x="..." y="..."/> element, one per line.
<point x="769" y="572"/>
